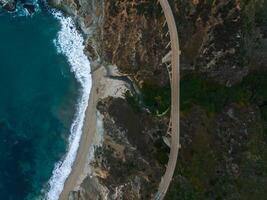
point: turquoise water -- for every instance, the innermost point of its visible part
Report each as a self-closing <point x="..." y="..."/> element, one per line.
<point x="37" y="104"/>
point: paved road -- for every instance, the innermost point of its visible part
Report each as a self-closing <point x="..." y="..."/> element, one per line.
<point x="175" y="83"/>
<point x="175" y="115"/>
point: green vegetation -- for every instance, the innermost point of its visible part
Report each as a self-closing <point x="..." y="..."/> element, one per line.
<point x="198" y="174"/>
<point x="211" y="2"/>
<point x="162" y="152"/>
<point x="114" y="8"/>
<point x="253" y="14"/>
<point x="149" y="9"/>
<point x="156" y="99"/>
<point x="201" y="172"/>
<point x="261" y="14"/>
<point x="133" y="101"/>
<point x="198" y="90"/>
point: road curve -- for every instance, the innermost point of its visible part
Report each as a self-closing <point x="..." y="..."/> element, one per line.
<point x="175" y="98"/>
<point x="83" y="150"/>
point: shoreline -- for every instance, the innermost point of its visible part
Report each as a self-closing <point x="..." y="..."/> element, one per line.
<point x="86" y="141"/>
<point x="69" y="42"/>
<point x="102" y="87"/>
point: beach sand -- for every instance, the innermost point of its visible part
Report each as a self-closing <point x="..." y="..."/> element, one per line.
<point x="89" y="129"/>
<point x="101" y="87"/>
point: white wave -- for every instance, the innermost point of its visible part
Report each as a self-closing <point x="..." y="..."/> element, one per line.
<point x="71" y="43"/>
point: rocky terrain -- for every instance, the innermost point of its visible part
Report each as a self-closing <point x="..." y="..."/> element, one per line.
<point x="223" y="114"/>
<point x="128" y="36"/>
<point x="12" y="5"/>
<point x="223" y="98"/>
<point x="223" y="109"/>
<point x="9" y="5"/>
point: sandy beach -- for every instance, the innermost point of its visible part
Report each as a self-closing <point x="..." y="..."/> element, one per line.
<point x="89" y="130"/>
<point x="101" y="88"/>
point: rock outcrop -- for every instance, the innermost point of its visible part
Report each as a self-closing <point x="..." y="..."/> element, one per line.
<point x="9" y="5"/>
<point x="223" y="105"/>
<point x="129" y="36"/>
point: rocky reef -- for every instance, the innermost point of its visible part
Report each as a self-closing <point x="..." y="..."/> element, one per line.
<point x="11" y="5"/>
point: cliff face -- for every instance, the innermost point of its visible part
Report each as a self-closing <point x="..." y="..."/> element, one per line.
<point x="12" y="5"/>
<point x="9" y="5"/>
<point x="134" y="40"/>
<point x="126" y="36"/>
<point x="223" y="97"/>
<point x="223" y="109"/>
<point x="128" y="153"/>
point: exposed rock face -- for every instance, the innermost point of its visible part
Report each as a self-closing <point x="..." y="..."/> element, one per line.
<point x="11" y="5"/>
<point x="90" y="189"/>
<point x="127" y="156"/>
<point x="134" y="39"/>
<point x="128" y="35"/>
<point x="224" y="147"/>
<point x="88" y="14"/>
<point x="125" y="166"/>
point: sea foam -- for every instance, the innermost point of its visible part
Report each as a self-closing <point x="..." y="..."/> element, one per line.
<point x="70" y="43"/>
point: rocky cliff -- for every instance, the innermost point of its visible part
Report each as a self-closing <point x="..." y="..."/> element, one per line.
<point x="126" y="36"/>
<point x="223" y="114"/>
<point x="9" y="5"/>
<point x="223" y="98"/>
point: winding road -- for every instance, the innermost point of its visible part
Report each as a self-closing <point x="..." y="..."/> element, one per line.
<point x="174" y="58"/>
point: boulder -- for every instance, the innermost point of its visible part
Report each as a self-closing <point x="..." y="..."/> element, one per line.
<point x="29" y="7"/>
<point x="9" y="5"/>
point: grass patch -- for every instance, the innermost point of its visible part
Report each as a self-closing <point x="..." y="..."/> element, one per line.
<point x="156" y="99"/>
<point x="197" y="90"/>
<point x="162" y="153"/>
<point x="196" y="172"/>
<point x="133" y="101"/>
<point x="149" y="9"/>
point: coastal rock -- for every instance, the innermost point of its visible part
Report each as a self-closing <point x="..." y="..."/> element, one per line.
<point x="126" y="165"/>
<point x="87" y="14"/>
<point x="90" y="189"/>
<point x="129" y="164"/>
<point x="29" y="7"/>
<point x="127" y="158"/>
<point x="135" y="30"/>
<point x="225" y="142"/>
<point x="9" y="5"/>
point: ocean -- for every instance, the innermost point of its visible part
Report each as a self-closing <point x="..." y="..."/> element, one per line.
<point x="45" y="85"/>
